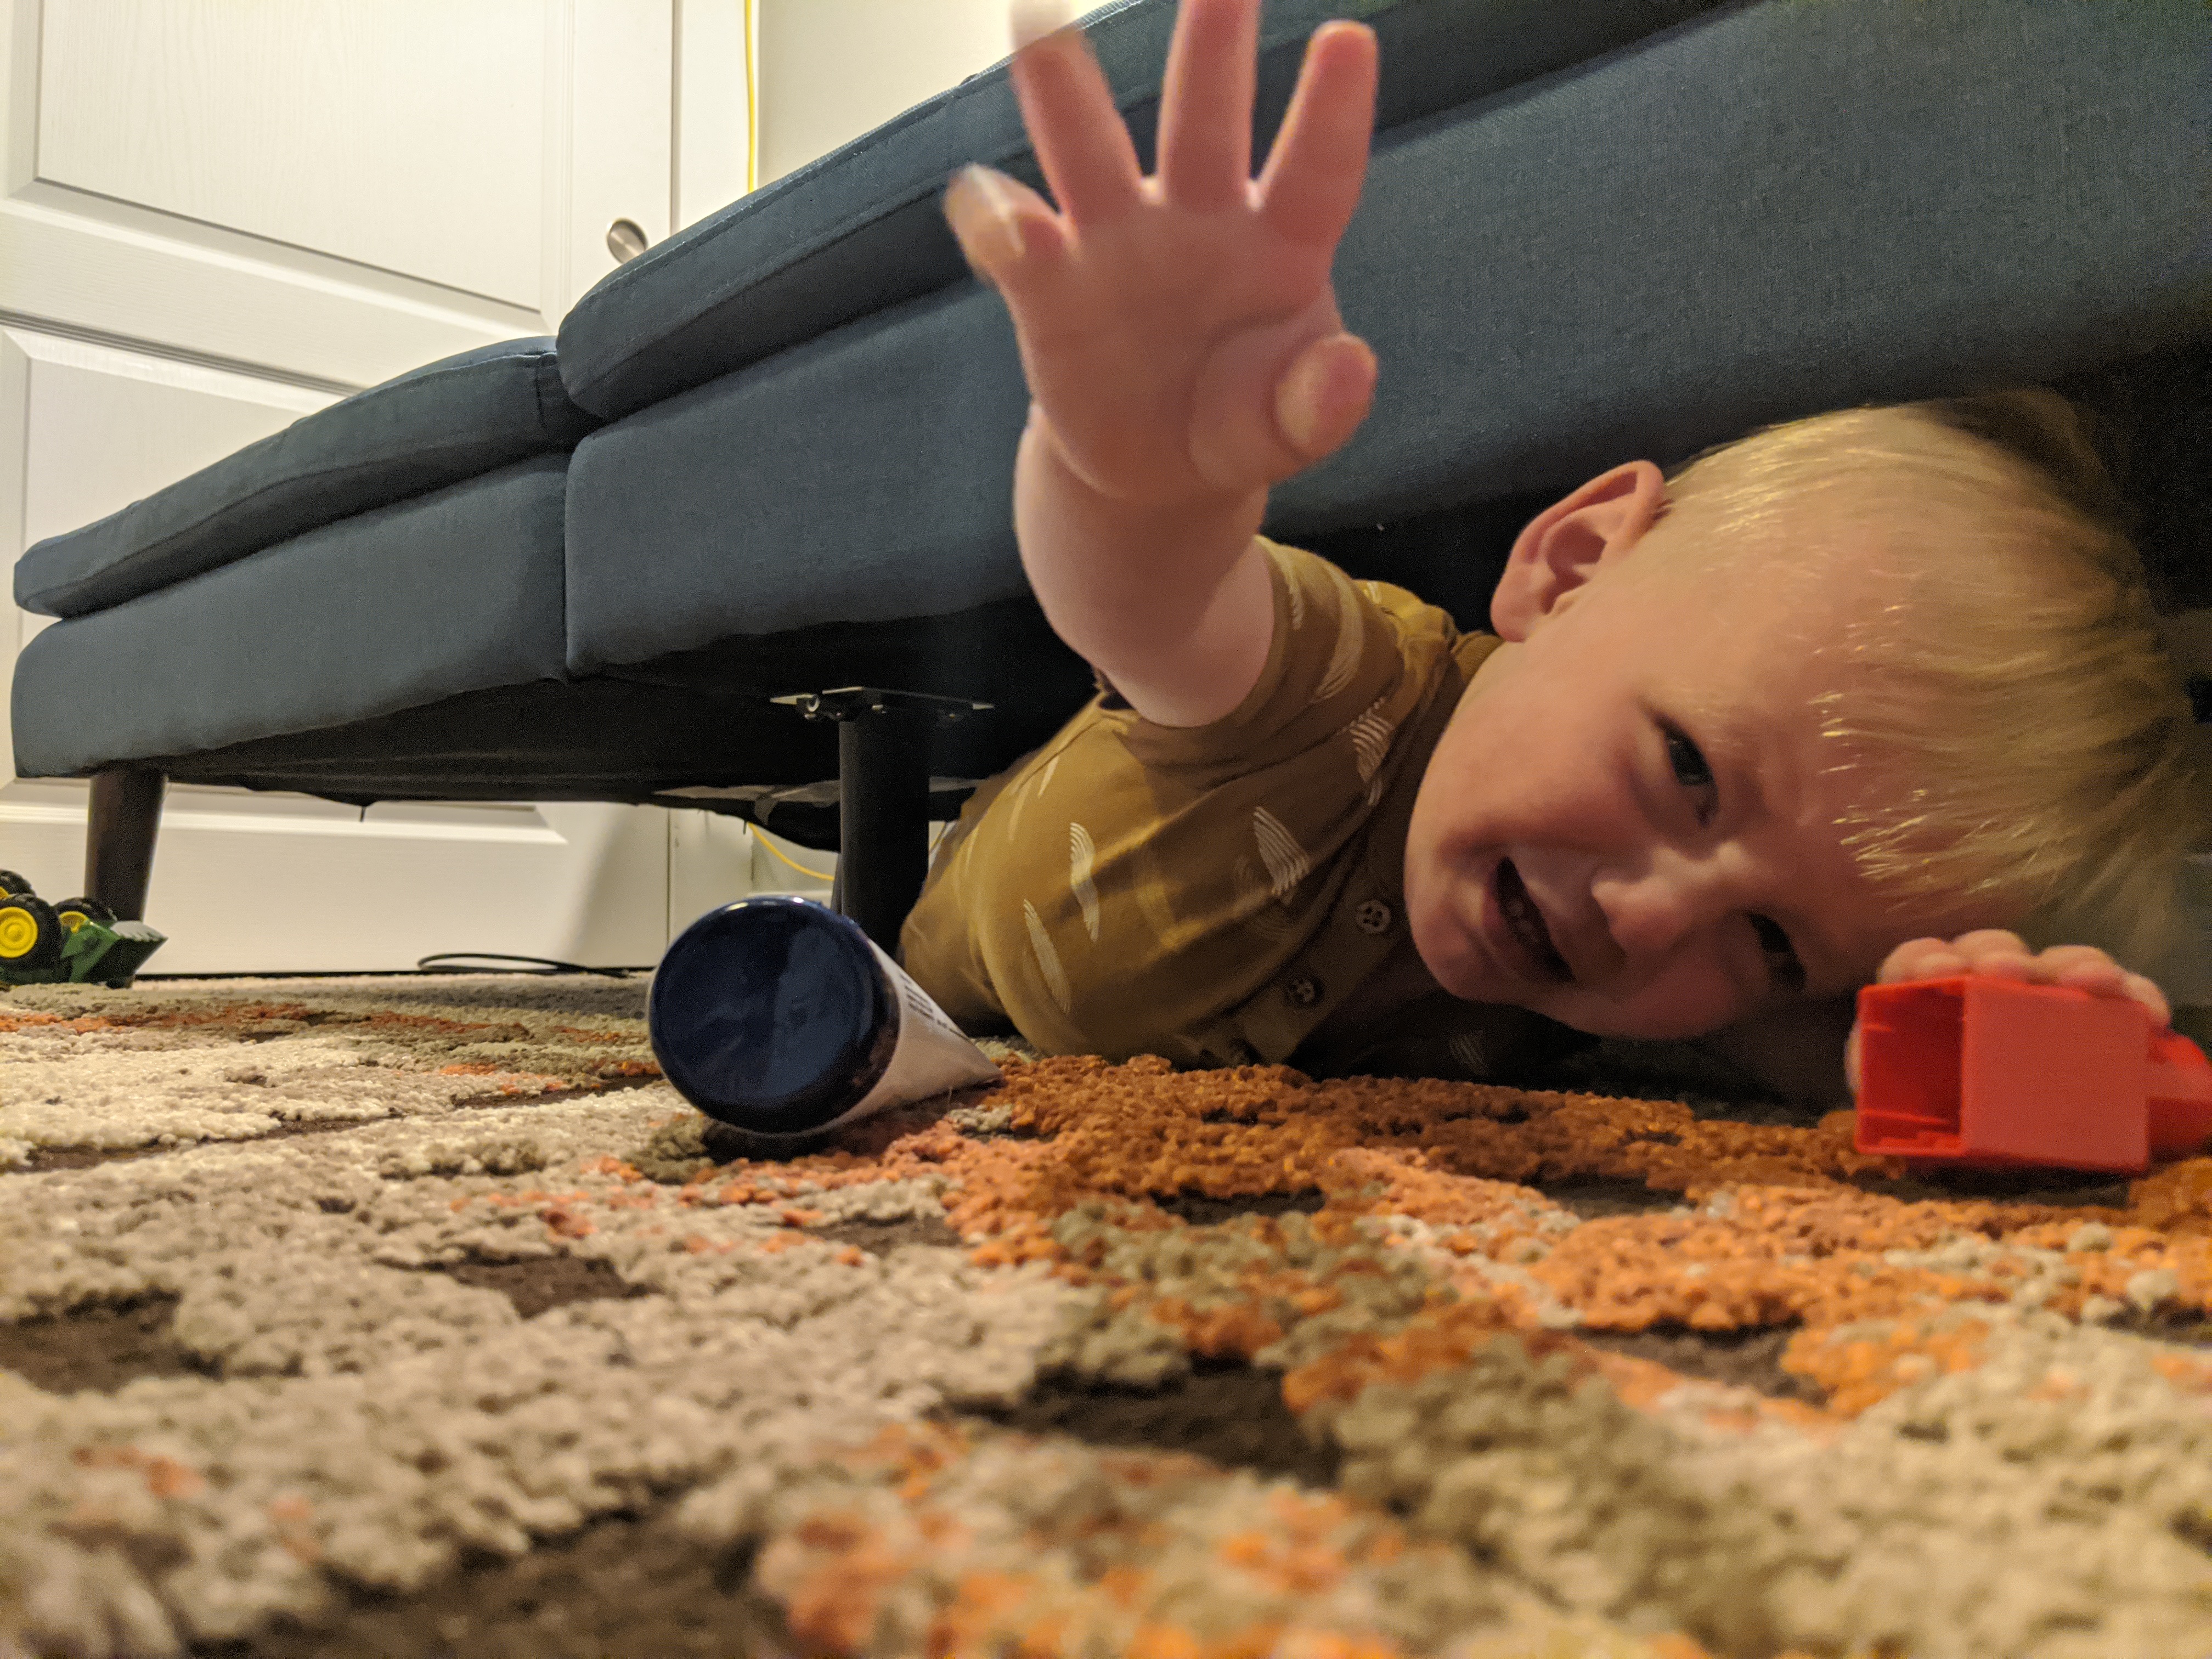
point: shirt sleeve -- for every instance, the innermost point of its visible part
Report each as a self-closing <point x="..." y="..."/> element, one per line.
<point x="1347" y="659"/>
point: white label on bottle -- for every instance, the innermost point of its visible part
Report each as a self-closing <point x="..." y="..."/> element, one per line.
<point x="932" y="1055"/>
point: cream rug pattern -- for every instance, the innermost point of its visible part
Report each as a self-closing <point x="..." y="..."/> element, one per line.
<point x="417" y="1316"/>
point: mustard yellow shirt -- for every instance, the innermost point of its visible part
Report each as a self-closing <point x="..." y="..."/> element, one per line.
<point x="1213" y="893"/>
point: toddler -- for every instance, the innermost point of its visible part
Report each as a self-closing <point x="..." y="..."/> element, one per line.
<point x="1851" y="698"/>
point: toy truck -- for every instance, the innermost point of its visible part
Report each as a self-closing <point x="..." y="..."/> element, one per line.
<point x="1998" y="1073"/>
<point x="73" y="942"/>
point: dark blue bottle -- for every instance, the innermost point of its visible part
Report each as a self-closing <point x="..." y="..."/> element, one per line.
<point x="779" y="1016"/>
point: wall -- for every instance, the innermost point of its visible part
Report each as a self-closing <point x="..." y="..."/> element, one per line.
<point x="830" y="69"/>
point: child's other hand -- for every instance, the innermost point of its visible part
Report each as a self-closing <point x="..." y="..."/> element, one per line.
<point x="2000" y="955"/>
<point x="1179" y="332"/>
<point x="2006" y="956"/>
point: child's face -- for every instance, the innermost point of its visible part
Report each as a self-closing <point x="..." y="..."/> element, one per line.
<point x="1627" y="826"/>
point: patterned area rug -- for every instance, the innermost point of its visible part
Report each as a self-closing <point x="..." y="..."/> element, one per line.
<point x="417" y="1317"/>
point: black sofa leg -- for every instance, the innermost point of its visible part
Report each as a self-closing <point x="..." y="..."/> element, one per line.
<point x="883" y="819"/>
<point x="882" y="796"/>
<point x="118" y="842"/>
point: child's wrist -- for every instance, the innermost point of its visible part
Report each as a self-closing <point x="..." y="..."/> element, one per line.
<point x="1121" y="581"/>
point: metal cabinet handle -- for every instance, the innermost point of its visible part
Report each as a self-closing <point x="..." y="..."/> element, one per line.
<point x="625" y="241"/>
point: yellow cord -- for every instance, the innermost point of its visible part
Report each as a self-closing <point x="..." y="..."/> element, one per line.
<point x="752" y="106"/>
<point x="818" y="875"/>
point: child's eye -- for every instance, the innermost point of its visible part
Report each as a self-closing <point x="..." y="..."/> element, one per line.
<point x="1690" y="769"/>
<point x="1787" y="973"/>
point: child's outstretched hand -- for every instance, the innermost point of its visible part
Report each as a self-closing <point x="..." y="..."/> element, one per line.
<point x="1179" y="331"/>
<point x="2001" y="955"/>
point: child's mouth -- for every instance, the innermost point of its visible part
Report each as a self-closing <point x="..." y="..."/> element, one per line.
<point x="1527" y="923"/>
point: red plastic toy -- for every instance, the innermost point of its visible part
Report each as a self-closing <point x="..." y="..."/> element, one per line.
<point x="1982" y="1070"/>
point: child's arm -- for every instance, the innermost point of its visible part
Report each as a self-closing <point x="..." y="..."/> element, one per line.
<point x="1181" y="343"/>
<point x="2006" y="956"/>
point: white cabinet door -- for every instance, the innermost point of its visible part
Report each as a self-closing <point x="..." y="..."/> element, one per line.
<point x="219" y="214"/>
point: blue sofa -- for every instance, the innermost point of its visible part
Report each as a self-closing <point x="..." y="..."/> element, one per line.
<point x="771" y="457"/>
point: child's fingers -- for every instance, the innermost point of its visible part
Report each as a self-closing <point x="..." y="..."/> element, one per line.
<point x="2000" y="955"/>
<point x="1080" y="142"/>
<point x="1205" y="105"/>
<point x="2085" y="968"/>
<point x="1993" y="953"/>
<point x="1009" y="232"/>
<point x="1314" y="173"/>
<point x="2105" y="979"/>
<point x="1990" y="942"/>
<point x="1028" y="21"/>
<point x="1920" y="958"/>
<point x="1325" y="394"/>
<point x="2146" y="991"/>
<point x="1271" y="400"/>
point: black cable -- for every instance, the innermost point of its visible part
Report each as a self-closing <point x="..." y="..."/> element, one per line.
<point x="546" y="965"/>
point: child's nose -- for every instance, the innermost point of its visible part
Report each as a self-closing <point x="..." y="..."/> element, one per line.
<point x="1651" y="911"/>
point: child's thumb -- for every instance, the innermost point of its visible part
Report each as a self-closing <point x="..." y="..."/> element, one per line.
<point x="992" y="218"/>
<point x="1325" y="394"/>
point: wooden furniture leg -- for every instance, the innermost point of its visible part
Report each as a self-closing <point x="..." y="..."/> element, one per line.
<point x="118" y="842"/>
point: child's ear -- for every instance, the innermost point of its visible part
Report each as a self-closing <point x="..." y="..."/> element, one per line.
<point x="1569" y="541"/>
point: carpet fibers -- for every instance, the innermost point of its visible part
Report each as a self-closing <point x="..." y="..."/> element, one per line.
<point x="414" y="1317"/>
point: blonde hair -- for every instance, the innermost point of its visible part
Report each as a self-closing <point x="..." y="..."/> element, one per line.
<point x="2013" y="728"/>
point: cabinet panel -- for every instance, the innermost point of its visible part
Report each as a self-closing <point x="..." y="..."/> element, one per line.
<point x="216" y="215"/>
<point x="409" y="135"/>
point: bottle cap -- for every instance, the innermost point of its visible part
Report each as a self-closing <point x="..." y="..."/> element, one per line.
<point x="771" y="1014"/>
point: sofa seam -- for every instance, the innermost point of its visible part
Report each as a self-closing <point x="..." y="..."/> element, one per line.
<point x="880" y="136"/>
<point x="134" y="560"/>
<point x="849" y="155"/>
<point x="416" y="377"/>
<point x="632" y="344"/>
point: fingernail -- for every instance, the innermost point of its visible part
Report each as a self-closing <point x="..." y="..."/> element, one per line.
<point x="1029" y="22"/>
<point x="1297" y="403"/>
<point x="1309" y="405"/>
<point x="980" y="209"/>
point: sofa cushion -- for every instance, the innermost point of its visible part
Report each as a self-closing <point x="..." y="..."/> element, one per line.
<point x="862" y="229"/>
<point x="434" y="426"/>
<point x="1737" y="221"/>
<point x="441" y="594"/>
<point x="1778" y="209"/>
<point x="858" y="477"/>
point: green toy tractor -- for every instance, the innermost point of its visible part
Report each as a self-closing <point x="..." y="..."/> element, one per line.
<point x="69" y="943"/>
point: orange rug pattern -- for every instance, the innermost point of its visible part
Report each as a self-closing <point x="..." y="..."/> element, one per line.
<point x="342" y="1318"/>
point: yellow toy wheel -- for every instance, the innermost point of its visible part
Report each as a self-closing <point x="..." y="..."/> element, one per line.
<point x="31" y="934"/>
<point x="12" y="883"/>
<point x="76" y="912"/>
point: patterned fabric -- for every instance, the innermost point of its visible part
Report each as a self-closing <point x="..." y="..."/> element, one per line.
<point x="1213" y="893"/>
